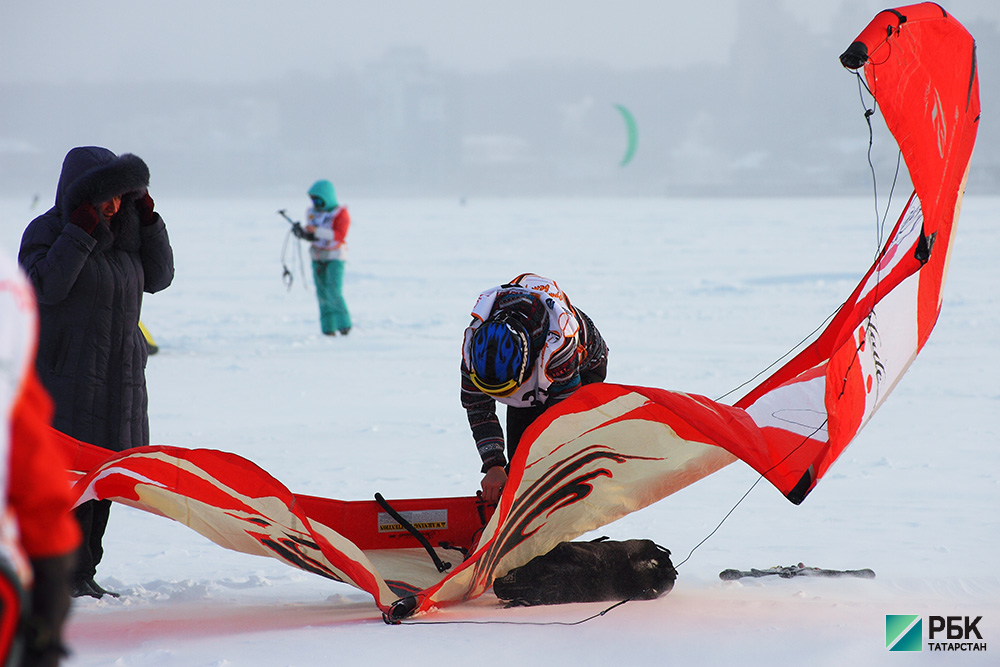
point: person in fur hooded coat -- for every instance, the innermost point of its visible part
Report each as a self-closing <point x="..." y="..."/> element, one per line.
<point x="90" y="258"/>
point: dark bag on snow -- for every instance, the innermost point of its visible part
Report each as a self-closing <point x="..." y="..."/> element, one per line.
<point x="590" y="572"/>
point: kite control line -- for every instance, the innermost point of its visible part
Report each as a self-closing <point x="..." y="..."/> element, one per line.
<point x="789" y="571"/>
<point x="298" y="232"/>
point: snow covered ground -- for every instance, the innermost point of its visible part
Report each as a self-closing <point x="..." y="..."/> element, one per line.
<point x="695" y="295"/>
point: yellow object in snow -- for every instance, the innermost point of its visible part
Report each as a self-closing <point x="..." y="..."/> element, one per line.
<point x="150" y="344"/>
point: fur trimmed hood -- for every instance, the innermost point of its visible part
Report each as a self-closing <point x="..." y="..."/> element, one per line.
<point x="91" y="173"/>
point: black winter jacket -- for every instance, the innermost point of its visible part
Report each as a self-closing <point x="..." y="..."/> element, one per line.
<point x="91" y="353"/>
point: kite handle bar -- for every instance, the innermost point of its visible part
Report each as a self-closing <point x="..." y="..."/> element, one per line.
<point x="297" y="229"/>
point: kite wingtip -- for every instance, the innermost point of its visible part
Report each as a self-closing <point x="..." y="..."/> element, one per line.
<point x="855" y="56"/>
<point x="400" y="609"/>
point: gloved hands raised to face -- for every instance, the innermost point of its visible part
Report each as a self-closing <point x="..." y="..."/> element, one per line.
<point x="144" y="205"/>
<point x="85" y="217"/>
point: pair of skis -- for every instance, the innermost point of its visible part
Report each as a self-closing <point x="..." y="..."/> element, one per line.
<point x="789" y="571"/>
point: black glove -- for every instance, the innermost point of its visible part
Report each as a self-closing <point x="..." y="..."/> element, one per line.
<point x="301" y="233"/>
<point x="85" y="217"/>
<point x="144" y="205"/>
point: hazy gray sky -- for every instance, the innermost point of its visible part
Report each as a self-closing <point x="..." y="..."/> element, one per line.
<point x="212" y="40"/>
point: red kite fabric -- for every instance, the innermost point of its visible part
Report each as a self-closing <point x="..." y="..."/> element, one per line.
<point x="920" y="65"/>
<point x="609" y="450"/>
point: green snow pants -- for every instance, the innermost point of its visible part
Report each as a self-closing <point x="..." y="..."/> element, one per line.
<point x="329" y="278"/>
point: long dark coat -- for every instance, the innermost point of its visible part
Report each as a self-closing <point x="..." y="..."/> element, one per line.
<point x="91" y="353"/>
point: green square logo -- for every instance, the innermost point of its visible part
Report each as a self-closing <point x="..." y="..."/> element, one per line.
<point x="904" y="633"/>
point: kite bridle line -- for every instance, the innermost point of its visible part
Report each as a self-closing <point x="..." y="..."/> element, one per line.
<point x="880" y="218"/>
<point x="784" y="356"/>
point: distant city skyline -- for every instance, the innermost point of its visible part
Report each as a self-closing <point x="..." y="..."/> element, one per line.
<point x="783" y="118"/>
<point x="53" y="41"/>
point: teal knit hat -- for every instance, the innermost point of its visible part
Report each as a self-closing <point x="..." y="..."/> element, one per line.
<point x="324" y="191"/>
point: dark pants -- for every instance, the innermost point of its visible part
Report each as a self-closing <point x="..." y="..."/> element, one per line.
<point x="519" y="419"/>
<point x="93" y="517"/>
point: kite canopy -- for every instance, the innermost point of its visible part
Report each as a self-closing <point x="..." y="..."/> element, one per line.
<point x="609" y="450"/>
<point x="920" y="65"/>
<point x="632" y="131"/>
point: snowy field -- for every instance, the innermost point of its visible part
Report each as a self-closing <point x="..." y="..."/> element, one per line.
<point x="693" y="295"/>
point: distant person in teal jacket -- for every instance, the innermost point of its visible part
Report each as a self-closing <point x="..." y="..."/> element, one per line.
<point x="328" y="222"/>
